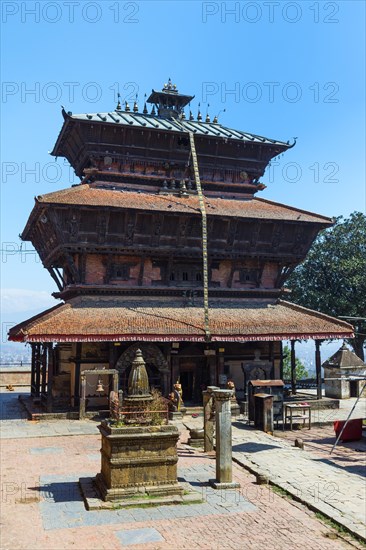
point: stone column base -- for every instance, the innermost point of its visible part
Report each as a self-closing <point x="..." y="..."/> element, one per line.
<point x="228" y="485"/>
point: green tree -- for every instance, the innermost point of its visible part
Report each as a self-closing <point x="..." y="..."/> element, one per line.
<point x="332" y="279"/>
<point x="301" y="371"/>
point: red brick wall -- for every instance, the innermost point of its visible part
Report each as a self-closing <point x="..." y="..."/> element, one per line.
<point x="95" y="270"/>
<point x="269" y="275"/>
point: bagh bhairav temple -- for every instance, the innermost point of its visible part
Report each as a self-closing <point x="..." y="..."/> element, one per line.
<point x="164" y="246"/>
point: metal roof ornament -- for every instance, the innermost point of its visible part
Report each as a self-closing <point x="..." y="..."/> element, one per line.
<point x="183" y="115"/>
<point x="215" y="120"/>
<point x="119" y="107"/>
<point x="145" y="111"/>
<point x="127" y="107"/>
<point x="199" y="116"/>
<point x="153" y="112"/>
<point x="135" y="107"/>
<point x="208" y="118"/>
<point x="191" y="117"/>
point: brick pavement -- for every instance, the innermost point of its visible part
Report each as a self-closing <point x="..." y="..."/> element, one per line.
<point x="42" y="509"/>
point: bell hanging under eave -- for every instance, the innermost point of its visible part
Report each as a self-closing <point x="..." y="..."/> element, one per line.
<point x="100" y="387"/>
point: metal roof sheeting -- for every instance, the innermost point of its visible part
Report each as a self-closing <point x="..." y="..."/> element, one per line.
<point x="210" y="129"/>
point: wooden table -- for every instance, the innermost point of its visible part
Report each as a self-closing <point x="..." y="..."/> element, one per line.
<point x="302" y="412"/>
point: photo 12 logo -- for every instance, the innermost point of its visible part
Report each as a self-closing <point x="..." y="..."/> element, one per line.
<point x="70" y="12"/>
<point x="49" y="173"/>
<point x="270" y="92"/>
<point x="270" y="12"/>
<point x="16" y="251"/>
<point x="67" y="92"/>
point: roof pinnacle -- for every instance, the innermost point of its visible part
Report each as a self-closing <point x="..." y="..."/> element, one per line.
<point x="118" y="108"/>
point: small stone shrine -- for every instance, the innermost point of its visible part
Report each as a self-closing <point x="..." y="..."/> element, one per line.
<point x="344" y="375"/>
<point x="139" y="452"/>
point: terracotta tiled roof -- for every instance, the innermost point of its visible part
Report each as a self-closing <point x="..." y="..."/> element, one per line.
<point x="88" y="195"/>
<point x="116" y="319"/>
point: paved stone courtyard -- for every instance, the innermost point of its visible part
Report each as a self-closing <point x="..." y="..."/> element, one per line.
<point x="42" y="506"/>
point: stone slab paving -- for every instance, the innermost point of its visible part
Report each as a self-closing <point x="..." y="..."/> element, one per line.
<point x="42" y="509"/>
<point x="336" y="492"/>
<point x="15" y="423"/>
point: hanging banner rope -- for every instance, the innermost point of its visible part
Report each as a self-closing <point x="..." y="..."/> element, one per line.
<point x="204" y="234"/>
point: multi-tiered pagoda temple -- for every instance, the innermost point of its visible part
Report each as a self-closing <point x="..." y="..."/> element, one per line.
<point x="163" y="246"/>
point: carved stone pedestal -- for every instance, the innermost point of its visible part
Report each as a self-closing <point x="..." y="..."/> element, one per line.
<point x="138" y="461"/>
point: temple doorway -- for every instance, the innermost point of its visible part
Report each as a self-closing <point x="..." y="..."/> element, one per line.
<point x="194" y="377"/>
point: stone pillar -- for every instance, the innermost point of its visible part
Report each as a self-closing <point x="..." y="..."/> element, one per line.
<point x="318" y="369"/>
<point x="83" y="397"/>
<point x="208" y="418"/>
<point x="223" y="441"/>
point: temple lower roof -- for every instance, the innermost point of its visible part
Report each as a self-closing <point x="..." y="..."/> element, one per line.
<point x="87" y="319"/>
<point x="95" y="196"/>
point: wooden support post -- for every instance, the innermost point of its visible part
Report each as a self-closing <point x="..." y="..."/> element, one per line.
<point x="220" y="365"/>
<point x="281" y="360"/>
<point x="318" y="368"/>
<point x="175" y="368"/>
<point x="37" y="382"/>
<point x="51" y="367"/>
<point x="271" y="358"/>
<point x="33" y="370"/>
<point x="77" y="374"/>
<point x="44" y="361"/>
<point x="293" y="368"/>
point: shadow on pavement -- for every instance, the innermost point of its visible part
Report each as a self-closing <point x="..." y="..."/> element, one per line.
<point x="254" y="447"/>
<point x="11" y="408"/>
<point x="63" y="491"/>
<point x="358" y="469"/>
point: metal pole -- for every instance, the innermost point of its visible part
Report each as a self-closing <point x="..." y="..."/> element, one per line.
<point x="349" y="416"/>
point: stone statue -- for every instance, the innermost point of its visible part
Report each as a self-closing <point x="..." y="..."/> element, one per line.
<point x="178" y="395"/>
<point x="235" y="409"/>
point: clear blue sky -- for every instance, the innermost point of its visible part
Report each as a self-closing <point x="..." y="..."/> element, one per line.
<point x="280" y="69"/>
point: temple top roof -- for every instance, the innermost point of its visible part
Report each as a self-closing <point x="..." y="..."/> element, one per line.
<point x="169" y="102"/>
<point x="155" y="122"/>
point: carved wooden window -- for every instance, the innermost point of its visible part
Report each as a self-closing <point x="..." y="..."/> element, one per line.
<point x="249" y="276"/>
<point x="121" y="272"/>
<point x="186" y="275"/>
